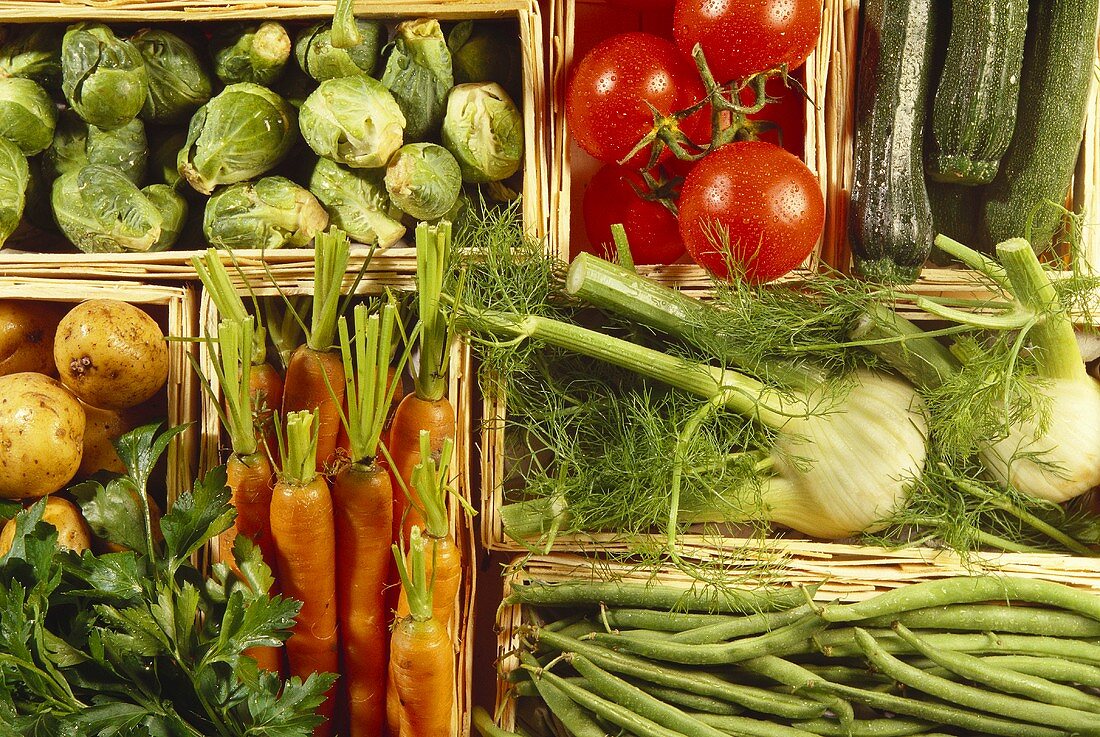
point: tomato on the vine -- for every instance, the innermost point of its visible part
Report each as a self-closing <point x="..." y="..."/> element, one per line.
<point x="751" y="208"/>
<point x="651" y="228"/>
<point x="743" y="37"/>
<point x="788" y="113"/>
<point x="608" y="100"/>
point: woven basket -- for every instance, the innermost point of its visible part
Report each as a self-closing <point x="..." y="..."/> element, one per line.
<point x="173" y="265"/>
<point x="845" y="574"/>
<point x="214" y="447"/>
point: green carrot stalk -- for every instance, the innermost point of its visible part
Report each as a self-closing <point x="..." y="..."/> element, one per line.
<point x="366" y="359"/>
<point x="433" y="243"/>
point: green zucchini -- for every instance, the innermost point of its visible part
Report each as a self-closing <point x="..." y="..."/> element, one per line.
<point x="974" y="112"/>
<point x="954" y="212"/>
<point x="889" y="221"/>
<point x="1050" y="119"/>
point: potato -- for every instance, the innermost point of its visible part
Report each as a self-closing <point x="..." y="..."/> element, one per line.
<point x="101" y="429"/>
<point x="111" y="354"/>
<point x="72" y="531"/>
<point x="41" y="435"/>
<point x="26" y="336"/>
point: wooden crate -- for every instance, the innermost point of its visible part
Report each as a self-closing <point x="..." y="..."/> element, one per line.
<point x="173" y="265"/>
<point x="844" y="573"/>
<point x="213" y="446"/>
<point x="175" y="308"/>
<point x="830" y="82"/>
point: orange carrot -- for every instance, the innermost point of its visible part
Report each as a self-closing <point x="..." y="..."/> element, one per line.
<point x="422" y="660"/>
<point x="304" y="531"/>
<point x="315" y="374"/>
<point x="426" y="408"/>
<point x="363" y="501"/>
<point x="266" y="390"/>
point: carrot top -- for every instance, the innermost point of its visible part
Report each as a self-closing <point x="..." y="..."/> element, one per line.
<point x="299" y="448"/>
<point x="414" y="577"/>
<point x="234" y="368"/>
<point x="368" y="390"/>
<point x="330" y="262"/>
<point x="215" y="279"/>
<point x="433" y="244"/>
<point x="429" y="478"/>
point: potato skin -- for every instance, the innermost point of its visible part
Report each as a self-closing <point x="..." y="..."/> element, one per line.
<point x="73" y="532"/>
<point x="111" y="354"/>
<point x="26" y="336"/>
<point x="102" y="427"/>
<point x="41" y="435"/>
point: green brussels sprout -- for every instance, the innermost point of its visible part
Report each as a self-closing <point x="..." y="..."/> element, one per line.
<point x="241" y="133"/>
<point x="103" y="77"/>
<point x="354" y="121"/>
<point x="269" y="213"/>
<point x="163" y="159"/>
<point x="27" y="115"/>
<point x="14" y="178"/>
<point x="250" y="53"/>
<point x="101" y="211"/>
<point x="484" y="131"/>
<point x="424" y="180"/>
<point x="486" y="52"/>
<point x="173" y="214"/>
<point x="77" y="144"/>
<point x="34" y="52"/>
<point x="357" y="202"/>
<point x="318" y="58"/>
<point x="178" y="84"/>
<point x="418" y="73"/>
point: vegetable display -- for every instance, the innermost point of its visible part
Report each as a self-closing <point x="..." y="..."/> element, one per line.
<point x="201" y="108"/>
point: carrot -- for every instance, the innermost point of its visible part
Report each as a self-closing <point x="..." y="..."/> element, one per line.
<point x="315" y="374"/>
<point x="304" y="531"/>
<point x="363" y="502"/>
<point x="426" y="408"/>
<point x="421" y="658"/>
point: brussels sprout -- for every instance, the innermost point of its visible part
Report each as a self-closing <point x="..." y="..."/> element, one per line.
<point x="178" y="84"/>
<point x="356" y="200"/>
<point x="27" y="115"/>
<point x="241" y="133"/>
<point x="424" y="180"/>
<point x="173" y="214"/>
<point x="418" y="73"/>
<point x="164" y="155"/>
<point x="321" y="60"/>
<point x="250" y="53"/>
<point x="34" y="52"/>
<point x="484" y="131"/>
<point x="101" y="211"/>
<point x="103" y="77"/>
<point x="353" y="120"/>
<point x="269" y="213"/>
<point x="77" y="144"/>
<point x="485" y="52"/>
<point x="14" y="177"/>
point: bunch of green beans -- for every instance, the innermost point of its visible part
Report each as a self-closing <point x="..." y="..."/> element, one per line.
<point x="973" y="655"/>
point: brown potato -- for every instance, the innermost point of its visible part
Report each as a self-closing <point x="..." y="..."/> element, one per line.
<point x="111" y="354"/>
<point x="26" y="336"/>
<point x="72" y="531"/>
<point x="41" y="435"/>
<point x="102" y="428"/>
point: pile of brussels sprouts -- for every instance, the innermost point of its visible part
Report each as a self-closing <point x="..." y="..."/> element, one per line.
<point x="258" y="133"/>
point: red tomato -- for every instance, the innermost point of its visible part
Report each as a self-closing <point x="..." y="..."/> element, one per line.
<point x="767" y="202"/>
<point x="651" y="229"/>
<point x="606" y="103"/>
<point x="742" y="37"/>
<point x="642" y="6"/>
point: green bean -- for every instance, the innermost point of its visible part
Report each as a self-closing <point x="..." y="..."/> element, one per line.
<point x="1065" y="671"/>
<point x="795" y="676"/>
<point x="575" y="719"/>
<point x="841" y="643"/>
<point x="843" y="673"/>
<point x="864" y="727"/>
<point x="648" y="619"/>
<point x="707" y="684"/>
<point x="580" y="629"/>
<point x="1001" y="678"/>
<point x="994" y="618"/>
<point x="485" y="726"/>
<point x="976" y="698"/>
<point x="618" y="714"/>
<point x="654" y="596"/>
<point x="966" y="590"/>
<point x="742" y="626"/>
<point x="559" y="624"/>
<point x="616" y="689"/>
<point x="688" y="700"/>
<point x="776" y="641"/>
